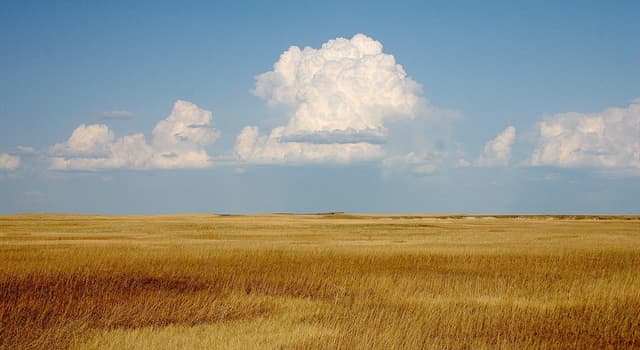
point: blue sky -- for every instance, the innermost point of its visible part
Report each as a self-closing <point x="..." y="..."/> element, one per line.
<point x="498" y="107"/>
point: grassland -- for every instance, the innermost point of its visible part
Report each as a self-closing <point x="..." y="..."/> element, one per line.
<point x="319" y="282"/>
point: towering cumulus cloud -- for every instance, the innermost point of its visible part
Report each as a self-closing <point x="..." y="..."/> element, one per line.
<point x="608" y="139"/>
<point x="339" y="98"/>
<point x="497" y="152"/>
<point x="178" y="142"/>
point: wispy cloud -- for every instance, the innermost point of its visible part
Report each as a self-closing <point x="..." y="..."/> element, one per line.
<point x="419" y="163"/>
<point x="25" y="150"/>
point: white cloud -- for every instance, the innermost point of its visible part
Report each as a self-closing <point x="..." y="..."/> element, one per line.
<point x="86" y="140"/>
<point x="178" y="142"/>
<point x="9" y="162"/>
<point x="609" y="139"/>
<point x="339" y="98"/>
<point x="497" y="152"/>
<point x="420" y="163"/>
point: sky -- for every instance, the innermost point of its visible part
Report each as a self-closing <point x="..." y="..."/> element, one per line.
<point x="306" y="106"/>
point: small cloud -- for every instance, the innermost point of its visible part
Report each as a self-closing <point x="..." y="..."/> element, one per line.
<point x="463" y="163"/>
<point x="92" y="140"/>
<point x="9" y="162"/>
<point x="421" y="163"/>
<point x="497" y="152"/>
<point x="607" y="140"/>
<point x="425" y="170"/>
<point x="27" y="151"/>
<point x="116" y="115"/>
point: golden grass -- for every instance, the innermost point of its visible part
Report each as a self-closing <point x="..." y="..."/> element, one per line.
<point x="319" y="282"/>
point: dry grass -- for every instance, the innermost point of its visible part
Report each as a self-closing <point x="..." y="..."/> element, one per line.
<point x="319" y="281"/>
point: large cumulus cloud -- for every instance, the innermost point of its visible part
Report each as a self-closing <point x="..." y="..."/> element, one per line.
<point x="177" y="142"/>
<point x="338" y="98"/>
<point x="609" y="139"/>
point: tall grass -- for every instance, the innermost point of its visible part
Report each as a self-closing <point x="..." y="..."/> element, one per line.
<point x="334" y="281"/>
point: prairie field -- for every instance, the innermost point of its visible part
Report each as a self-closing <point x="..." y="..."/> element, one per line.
<point x="325" y="281"/>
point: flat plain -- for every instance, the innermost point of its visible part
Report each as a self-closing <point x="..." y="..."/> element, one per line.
<point x="325" y="281"/>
